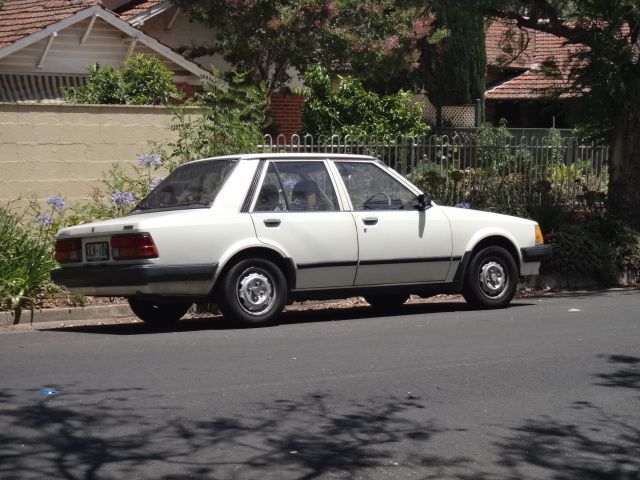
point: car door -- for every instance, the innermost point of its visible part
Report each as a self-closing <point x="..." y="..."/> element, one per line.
<point x="397" y="243"/>
<point x="297" y="211"/>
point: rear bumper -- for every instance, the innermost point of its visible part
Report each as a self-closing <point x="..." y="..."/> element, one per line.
<point x="122" y="279"/>
<point x="537" y="253"/>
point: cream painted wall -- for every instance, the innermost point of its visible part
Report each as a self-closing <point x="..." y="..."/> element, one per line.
<point x="61" y="149"/>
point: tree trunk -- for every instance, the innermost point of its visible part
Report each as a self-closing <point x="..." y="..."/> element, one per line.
<point x="624" y="172"/>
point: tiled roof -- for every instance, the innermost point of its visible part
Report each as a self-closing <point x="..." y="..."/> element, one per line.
<point x="530" y="85"/>
<point x="136" y="7"/>
<point x="512" y="48"/>
<point x="20" y="18"/>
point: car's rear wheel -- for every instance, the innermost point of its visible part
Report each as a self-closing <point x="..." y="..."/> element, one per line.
<point x="252" y="293"/>
<point x="158" y="312"/>
<point x="387" y="301"/>
<point x="491" y="278"/>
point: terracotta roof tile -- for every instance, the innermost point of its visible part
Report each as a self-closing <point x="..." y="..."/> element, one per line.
<point x="531" y="85"/>
<point x="20" y="18"/>
<point x="511" y="47"/>
<point x="136" y="7"/>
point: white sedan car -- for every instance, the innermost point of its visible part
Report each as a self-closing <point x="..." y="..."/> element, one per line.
<point x="253" y="232"/>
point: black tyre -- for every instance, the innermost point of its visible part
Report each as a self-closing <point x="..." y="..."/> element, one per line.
<point x="158" y="313"/>
<point x="388" y="301"/>
<point x="252" y="293"/>
<point x="491" y="279"/>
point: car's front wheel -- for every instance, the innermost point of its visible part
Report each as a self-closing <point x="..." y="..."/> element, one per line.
<point x="158" y="313"/>
<point x="491" y="278"/>
<point x="387" y="302"/>
<point x="252" y="293"/>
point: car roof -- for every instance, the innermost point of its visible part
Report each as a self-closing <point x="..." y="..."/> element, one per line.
<point x="291" y="155"/>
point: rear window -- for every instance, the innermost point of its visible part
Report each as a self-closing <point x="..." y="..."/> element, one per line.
<point x="194" y="185"/>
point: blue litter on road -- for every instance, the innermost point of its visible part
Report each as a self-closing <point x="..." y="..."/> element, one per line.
<point x="49" y="392"/>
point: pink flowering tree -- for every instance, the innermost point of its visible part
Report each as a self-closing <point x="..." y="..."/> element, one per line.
<point x="376" y="40"/>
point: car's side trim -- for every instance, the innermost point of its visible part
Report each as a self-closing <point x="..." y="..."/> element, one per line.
<point x="128" y="275"/>
<point x="326" y="264"/>
<point x="537" y="253"/>
<point x="406" y="260"/>
<point x="246" y="205"/>
<point x="377" y="262"/>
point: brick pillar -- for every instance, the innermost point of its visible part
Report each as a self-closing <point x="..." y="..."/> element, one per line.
<point x="286" y="112"/>
<point x="188" y="90"/>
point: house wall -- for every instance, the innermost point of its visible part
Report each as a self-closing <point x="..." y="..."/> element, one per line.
<point x="184" y="33"/>
<point x="61" y="149"/>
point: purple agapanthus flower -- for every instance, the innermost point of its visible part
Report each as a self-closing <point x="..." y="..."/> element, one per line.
<point x="155" y="182"/>
<point x="463" y="205"/>
<point x="122" y="198"/>
<point x="44" y="219"/>
<point x="147" y="160"/>
<point x="56" y="202"/>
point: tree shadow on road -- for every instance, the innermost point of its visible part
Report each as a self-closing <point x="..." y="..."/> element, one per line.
<point x="602" y="443"/>
<point x="98" y="434"/>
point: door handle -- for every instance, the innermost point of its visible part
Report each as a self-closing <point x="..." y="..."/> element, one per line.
<point x="370" y="220"/>
<point x="271" y="222"/>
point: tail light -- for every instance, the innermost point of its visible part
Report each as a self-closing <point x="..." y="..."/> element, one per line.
<point x="129" y="247"/>
<point x="68" y="250"/>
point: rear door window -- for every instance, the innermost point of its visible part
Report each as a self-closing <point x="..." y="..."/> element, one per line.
<point x="296" y="187"/>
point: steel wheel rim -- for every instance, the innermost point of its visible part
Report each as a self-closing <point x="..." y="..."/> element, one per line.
<point x="256" y="291"/>
<point x="493" y="279"/>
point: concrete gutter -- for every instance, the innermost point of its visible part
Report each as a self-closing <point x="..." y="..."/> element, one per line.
<point x="65" y="314"/>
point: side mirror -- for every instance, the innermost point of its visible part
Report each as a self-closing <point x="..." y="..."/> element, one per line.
<point x="424" y="202"/>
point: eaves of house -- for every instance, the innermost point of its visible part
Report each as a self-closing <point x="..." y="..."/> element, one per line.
<point x="48" y="44"/>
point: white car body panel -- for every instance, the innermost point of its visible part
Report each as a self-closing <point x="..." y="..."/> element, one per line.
<point x="318" y="242"/>
<point x="408" y="246"/>
<point x="326" y="249"/>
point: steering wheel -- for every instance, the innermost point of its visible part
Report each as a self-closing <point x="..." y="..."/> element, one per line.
<point x="366" y="202"/>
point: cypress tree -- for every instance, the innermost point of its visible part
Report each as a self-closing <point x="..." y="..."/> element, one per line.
<point x="453" y="70"/>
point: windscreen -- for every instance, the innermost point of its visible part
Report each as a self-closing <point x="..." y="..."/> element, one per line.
<point x="194" y="185"/>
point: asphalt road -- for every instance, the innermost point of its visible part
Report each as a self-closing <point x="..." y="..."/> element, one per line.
<point x="538" y="390"/>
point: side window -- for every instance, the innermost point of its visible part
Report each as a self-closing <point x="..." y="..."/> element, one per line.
<point x="296" y="186"/>
<point x="270" y="195"/>
<point x="371" y="188"/>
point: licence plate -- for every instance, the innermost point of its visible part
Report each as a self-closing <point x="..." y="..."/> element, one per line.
<point x="96" y="251"/>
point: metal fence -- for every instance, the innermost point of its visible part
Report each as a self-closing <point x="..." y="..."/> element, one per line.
<point x="467" y="161"/>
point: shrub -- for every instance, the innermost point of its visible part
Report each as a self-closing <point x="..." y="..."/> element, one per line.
<point x="144" y="80"/>
<point x="231" y="117"/>
<point x="349" y="109"/>
<point x="121" y="190"/>
<point x="26" y="255"/>
<point x="597" y="246"/>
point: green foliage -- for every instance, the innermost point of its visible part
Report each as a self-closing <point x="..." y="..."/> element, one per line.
<point x="144" y="80"/>
<point x="596" y="246"/>
<point x="349" y="109"/>
<point x="229" y="120"/>
<point x="104" y="86"/>
<point x="453" y="70"/>
<point x="26" y="259"/>
<point x="376" y="40"/>
<point x="505" y="179"/>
